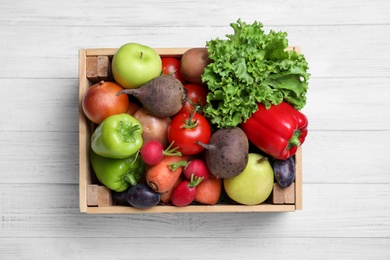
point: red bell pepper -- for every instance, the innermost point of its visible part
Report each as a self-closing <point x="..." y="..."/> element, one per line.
<point x="277" y="131"/>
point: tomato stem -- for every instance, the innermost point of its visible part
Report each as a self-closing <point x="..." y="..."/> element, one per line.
<point x="169" y="74"/>
<point x="190" y="123"/>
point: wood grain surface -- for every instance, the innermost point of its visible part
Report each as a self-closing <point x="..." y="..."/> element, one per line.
<point x="346" y="169"/>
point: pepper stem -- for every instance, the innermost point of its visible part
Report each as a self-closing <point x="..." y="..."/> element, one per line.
<point x="130" y="178"/>
<point x="294" y="141"/>
<point x="127" y="131"/>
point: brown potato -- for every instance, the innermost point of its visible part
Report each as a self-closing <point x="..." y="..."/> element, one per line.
<point x="193" y="63"/>
<point x="153" y="128"/>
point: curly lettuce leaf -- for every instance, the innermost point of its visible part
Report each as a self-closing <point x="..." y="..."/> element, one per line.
<point x="251" y="67"/>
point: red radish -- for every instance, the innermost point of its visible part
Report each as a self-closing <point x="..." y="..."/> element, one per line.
<point x="152" y="152"/>
<point x="185" y="192"/>
<point x="197" y="167"/>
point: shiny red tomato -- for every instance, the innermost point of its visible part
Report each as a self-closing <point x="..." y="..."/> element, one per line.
<point x="186" y="129"/>
<point x="172" y="66"/>
<point x="197" y="94"/>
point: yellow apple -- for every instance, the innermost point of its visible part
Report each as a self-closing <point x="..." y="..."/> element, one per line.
<point x="253" y="185"/>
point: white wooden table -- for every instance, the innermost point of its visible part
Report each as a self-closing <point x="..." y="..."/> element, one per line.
<point x="346" y="169"/>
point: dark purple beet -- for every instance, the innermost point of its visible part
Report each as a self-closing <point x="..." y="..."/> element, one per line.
<point x="227" y="152"/>
<point x="163" y="96"/>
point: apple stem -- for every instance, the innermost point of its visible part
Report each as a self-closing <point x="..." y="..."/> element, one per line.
<point x="141" y="54"/>
<point x="262" y="159"/>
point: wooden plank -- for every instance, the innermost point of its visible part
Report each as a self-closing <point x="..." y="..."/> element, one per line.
<point x="91" y="197"/>
<point x="290" y="194"/>
<point x="51" y="210"/>
<point x="104" y="68"/>
<point x="84" y="133"/>
<point x="48" y="157"/>
<point x="222" y="209"/>
<point x="277" y="195"/>
<point x="98" y="68"/>
<point x="328" y="157"/>
<point x="342" y="104"/>
<point x="104" y="197"/>
<point x="298" y="190"/>
<point x="102" y="247"/>
<point x="326" y="111"/>
<point x="92" y="68"/>
<point x="286" y="195"/>
<point x="325" y="61"/>
<point x="97" y="196"/>
<point x="74" y="13"/>
<point x="174" y="52"/>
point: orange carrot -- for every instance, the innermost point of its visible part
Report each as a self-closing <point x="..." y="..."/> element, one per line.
<point x="161" y="177"/>
<point x="209" y="190"/>
<point x="166" y="197"/>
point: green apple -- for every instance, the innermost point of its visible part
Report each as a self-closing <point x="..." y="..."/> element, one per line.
<point x="133" y="65"/>
<point x="254" y="185"/>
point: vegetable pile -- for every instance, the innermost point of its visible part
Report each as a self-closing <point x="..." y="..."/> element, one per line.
<point x="220" y="124"/>
<point x="252" y="67"/>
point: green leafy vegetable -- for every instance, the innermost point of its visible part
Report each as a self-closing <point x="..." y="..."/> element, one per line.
<point x="252" y="67"/>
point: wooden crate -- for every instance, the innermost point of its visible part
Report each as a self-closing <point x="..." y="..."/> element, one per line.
<point x="96" y="199"/>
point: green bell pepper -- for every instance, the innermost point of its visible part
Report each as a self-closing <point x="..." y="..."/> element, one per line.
<point x="118" y="136"/>
<point x="117" y="174"/>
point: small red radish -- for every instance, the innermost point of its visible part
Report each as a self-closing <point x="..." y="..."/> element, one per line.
<point x="185" y="192"/>
<point x="197" y="167"/>
<point x="152" y="152"/>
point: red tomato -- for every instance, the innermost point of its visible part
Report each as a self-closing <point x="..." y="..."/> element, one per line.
<point x="172" y="66"/>
<point x="185" y="137"/>
<point x="197" y="94"/>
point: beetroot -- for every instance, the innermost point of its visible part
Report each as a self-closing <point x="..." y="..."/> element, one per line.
<point x="227" y="152"/>
<point x="163" y="96"/>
